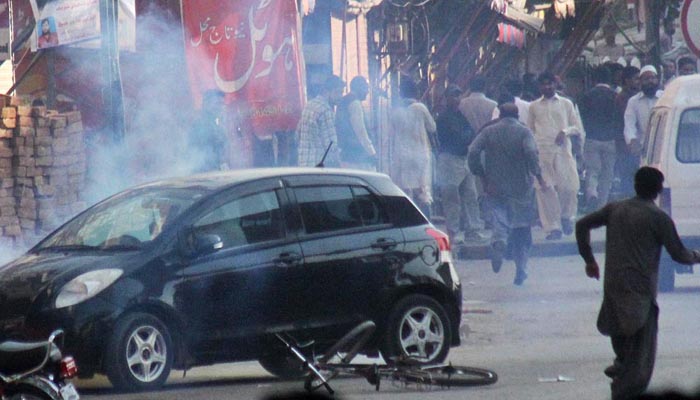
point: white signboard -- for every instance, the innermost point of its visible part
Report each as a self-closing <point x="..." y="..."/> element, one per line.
<point x="62" y="22"/>
<point x="67" y="22"/>
<point x="690" y="25"/>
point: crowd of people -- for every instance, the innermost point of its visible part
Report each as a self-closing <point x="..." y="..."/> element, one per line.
<point x="487" y="184"/>
<point x="501" y="166"/>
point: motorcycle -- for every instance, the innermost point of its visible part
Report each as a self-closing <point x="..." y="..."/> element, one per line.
<point x="36" y="371"/>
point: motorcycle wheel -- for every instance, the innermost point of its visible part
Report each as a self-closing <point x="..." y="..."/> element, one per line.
<point x="139" y="354"/>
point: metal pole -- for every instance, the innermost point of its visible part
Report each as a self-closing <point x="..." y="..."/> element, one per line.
<point x="653" y="37"/>
<point x="112" y="90"/>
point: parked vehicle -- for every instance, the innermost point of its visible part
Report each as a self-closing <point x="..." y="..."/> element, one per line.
<point x="208" y="268"/>
<point x="673" y="147"/>
<point x="36" y="371"/>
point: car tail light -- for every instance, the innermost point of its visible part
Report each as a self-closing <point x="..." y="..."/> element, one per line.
<point x="443" y="242"/>
<point x="68" y="368"/>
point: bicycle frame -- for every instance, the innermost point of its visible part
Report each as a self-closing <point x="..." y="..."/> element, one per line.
<point x="403" y="370"/>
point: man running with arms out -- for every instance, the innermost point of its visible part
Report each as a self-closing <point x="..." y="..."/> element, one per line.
<point x="636" y="230"/>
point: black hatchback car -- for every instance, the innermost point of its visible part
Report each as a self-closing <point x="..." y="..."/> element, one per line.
<point x="206" y="269"/>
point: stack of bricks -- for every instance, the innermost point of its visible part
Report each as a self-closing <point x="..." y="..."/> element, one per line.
<point x="44" y="158"/>
<point x="62" y="164"/>
<point x="9" y="223"/>
<point x="25" y="172"/>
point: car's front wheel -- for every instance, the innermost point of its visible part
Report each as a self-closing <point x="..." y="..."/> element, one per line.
<point x="139" y="354"/>
<point x="418" y="329"/>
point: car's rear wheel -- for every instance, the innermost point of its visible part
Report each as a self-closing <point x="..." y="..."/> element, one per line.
<point x="283" y="364"/>
<point x="139" y="354"/>
<point x="417" y="328"/>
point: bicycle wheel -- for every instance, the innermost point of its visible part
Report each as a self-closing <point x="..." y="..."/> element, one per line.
<point x="448" y="375"/>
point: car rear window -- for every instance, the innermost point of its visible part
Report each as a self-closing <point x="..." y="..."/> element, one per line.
<point x="327" y="208"/>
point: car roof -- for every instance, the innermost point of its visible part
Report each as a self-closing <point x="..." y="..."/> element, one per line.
<point x="214" y="181"/>
<point x="684" y="91"/>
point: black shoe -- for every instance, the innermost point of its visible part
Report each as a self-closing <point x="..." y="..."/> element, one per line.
<point x="554" y="235"/>
<point x="567" y="226"/>
<point x="519" y="279"/>
<point x="497" y="255"/>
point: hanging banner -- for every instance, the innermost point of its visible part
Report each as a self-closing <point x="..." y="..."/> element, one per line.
<point x="250" y="50"/>
<point x="5" y="30"/>
<point x="77" y="22"/>
<point x="67" y="21"/>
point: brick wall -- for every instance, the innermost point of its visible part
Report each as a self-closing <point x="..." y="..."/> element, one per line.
<point x="43" y="167"/>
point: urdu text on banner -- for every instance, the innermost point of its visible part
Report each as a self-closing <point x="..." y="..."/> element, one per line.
<point x="250" y="50"/>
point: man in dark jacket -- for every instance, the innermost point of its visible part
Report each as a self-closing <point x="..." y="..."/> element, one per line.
<point x="597" y="108"/>
<point x="636" y="229"/>
<point x="456" y="182"/>
<point x="510" y="165"/>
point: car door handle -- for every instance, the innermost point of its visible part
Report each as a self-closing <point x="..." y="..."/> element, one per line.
<point x="287" y="260"/>
<point x="384" y="244"/>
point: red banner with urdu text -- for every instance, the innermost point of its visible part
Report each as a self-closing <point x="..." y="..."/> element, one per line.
<point x="250" y="50"/>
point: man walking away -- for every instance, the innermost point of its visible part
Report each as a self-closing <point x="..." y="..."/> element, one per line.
<point x="636" y="229"/>
<point x="510" y="164"/>
<point x="410" y="147"/>
<point x="598" y="116"/>
<point x="356" y="149"/>
<point x="316" y="129"/>
<point x="457" y="183"/>
<point x="477" y="108"/>
<point x="553" y="120"/>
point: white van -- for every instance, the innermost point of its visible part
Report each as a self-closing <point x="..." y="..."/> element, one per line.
<point x="673" y="146"/>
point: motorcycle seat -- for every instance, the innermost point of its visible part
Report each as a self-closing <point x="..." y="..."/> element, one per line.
<point x="17" y="357"/>
<point x="14" y="347"/>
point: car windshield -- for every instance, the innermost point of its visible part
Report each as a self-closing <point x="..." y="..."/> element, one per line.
<point x="125" y="222"/>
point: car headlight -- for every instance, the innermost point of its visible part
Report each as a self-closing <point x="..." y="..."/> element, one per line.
<point x="86" y="286"/>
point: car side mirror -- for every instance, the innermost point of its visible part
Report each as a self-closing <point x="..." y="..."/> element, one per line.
<point x="204" y="244"/>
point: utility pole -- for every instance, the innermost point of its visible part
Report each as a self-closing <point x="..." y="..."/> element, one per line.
<point x="112" y="93"/>
<point x="652" y="34"/>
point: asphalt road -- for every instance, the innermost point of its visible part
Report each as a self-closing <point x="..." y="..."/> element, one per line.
<point x="541" y="340"/>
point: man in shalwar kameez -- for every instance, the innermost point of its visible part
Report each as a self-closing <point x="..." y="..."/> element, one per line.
<point x="636" y="229"/>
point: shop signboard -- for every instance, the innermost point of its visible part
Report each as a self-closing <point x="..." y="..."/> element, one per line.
<point x="248" y="49"/>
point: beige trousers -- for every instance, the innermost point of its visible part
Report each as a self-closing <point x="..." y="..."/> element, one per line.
<point x="560" y="200"/>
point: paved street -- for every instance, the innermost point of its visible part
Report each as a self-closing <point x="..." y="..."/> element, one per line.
<point x="529" y="335"/>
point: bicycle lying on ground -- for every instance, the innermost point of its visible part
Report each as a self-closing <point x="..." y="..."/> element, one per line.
<point x="337" y="360"/>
